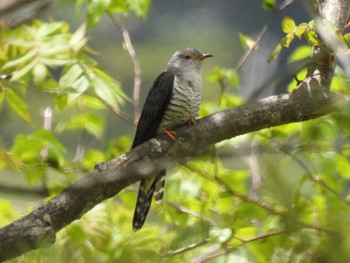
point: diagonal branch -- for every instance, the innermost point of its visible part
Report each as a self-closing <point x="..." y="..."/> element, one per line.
<point x="137" y="67"/>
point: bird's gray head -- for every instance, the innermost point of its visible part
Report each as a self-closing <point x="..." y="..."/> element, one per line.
<point x="187" y="59"/>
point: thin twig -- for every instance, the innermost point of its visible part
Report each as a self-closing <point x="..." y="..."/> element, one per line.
<point x="264" y="236"/>
<point x="136" y="63"/>
<point x="119" y="113"/>
<point x="285" y="4"/>
<point x="252" y="48"/>
<point x="260" y="35"/>
<point x="191" y="212"/>
<point x="312" y="178"/>
<point x="228" y="249"/>
<point x="187" y="248"/>
<point x="24" y="190"/>
<point x="346" y="25"/>
<point x="215" y="254"/>
<point x="47" y="125"/>
<point x="266" y="207"/>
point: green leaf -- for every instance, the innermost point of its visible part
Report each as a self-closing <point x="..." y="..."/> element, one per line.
<point x="56" y="61"/>
<point x="287" y="40"/>
<point x="23" y="71"/>
<point x="347" y="39"/>
<point x="49" y="139"/>
<point x="78" y="40"/>
<point x="301" y="29"/>
<point x="231" y="100"/>
<point x="29" y="56"/>
<point x="96" y="9"/>
<point x="340" y="84"/>
<point x="49" y="28"/>
<point x="300" y="53"/>
<point x="81" y="84"/>
<point x="269" y="4"/>
<point x="87" y="121"/>
<point x="48" y="50"/>
<point x="343" y="167"/>
<point x="113" y="86"/>
<point x="18" y="105"/>
<point x="235" y="180"/>
<point x="39" y="74"/>
<point x="70" y="76"/>
<point x="119" y="7"/>
<point x="103" y="91"/>
<point x="246" y="232"/>
<point x="61" y="101"/>
<point x="79" y="87"/>
<point x="91" y="102"/>
<point x="300" y="76"/>
<point x="246" y="41"/>
<point x="288" y="25"/>
<point x="27" y="148"/>
<point x="117" y="146"/>
<point x="223" y="74"/>
<point x="76" y="233"/>
<point x="232" y="77"/>
<point x="140" y="7"/>
<point x="19" y="41"/>
<point x="311" y="37"/>
<point x="275" y="52"/>
<point x="221" y="234"/>
<point x="91" y="158"/>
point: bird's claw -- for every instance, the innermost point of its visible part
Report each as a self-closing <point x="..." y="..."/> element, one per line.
<point x="171" y="134"/>
<point x="191" y="122"/>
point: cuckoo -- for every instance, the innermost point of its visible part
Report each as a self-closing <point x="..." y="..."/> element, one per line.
<point x="172" y="101"/>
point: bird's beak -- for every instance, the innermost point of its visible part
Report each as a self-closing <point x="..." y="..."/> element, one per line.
<point x="204" y="56"/>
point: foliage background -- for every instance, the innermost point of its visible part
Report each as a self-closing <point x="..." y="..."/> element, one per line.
<point x="277" y="195"/>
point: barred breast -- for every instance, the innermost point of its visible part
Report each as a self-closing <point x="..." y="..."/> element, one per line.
<point x="184" y="102"/>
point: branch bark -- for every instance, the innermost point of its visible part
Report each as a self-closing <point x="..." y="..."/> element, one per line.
<point x="10" y="16"/>
<point x="311" y="99"/>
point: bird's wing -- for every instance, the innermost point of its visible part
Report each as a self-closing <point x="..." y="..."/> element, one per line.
<point x="152" y="114"/>
<point x="153" y="111"/>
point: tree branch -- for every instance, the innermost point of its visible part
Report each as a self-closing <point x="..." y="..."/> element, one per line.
<point x="24" y="190"/>
<point x="187" y="248"/>
<point x="16" y="12"/>
<point x="137" y="68"/>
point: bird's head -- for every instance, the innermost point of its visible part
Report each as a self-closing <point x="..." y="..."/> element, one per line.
<point x="187" y="59"/>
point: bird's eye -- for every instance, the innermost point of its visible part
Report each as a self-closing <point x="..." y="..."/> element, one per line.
<point x="188" y="56"/>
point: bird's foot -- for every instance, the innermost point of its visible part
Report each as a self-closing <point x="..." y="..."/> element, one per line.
<point x="191" y="122"/>
<point x="171" y="134"/>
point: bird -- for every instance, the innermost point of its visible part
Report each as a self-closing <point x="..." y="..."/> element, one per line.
<point x="172" y="101"/>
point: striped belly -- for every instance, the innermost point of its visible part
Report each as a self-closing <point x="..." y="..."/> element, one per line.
<point x="183" y="105"/>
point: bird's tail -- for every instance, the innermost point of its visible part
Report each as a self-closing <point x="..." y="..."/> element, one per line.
<point x="159" y="188"/>
<point x="144" y="198"/>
